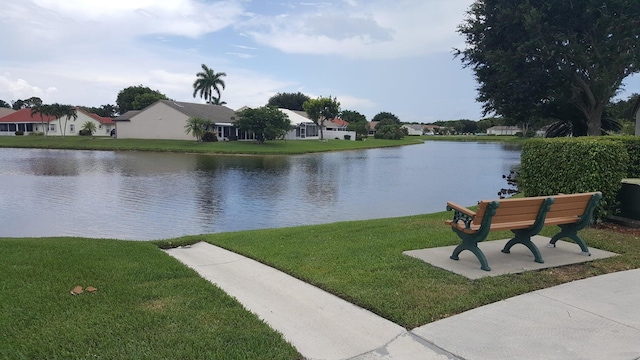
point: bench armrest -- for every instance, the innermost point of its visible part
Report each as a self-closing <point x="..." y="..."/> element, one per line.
<point x="460" y="208"/>
<point x="461" y="213"/>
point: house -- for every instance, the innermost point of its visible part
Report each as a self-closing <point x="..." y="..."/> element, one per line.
<point x="166" y="119"/>
<point x="412" y="129"/>
<point x="503" y="130"/>
<point x="6" y="111"/>
<point x="27" y="122"/>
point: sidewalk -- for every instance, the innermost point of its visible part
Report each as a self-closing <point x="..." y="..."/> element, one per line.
<point x="595" y="318"/>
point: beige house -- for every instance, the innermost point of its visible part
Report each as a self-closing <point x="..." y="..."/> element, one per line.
<point x="166" y="119"/>
<point x="413" y="129"/>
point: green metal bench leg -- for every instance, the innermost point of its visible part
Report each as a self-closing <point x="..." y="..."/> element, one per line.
<point x="569" y="232"/>
<point x="526" y="242"/>
<point x="484" y="264"/>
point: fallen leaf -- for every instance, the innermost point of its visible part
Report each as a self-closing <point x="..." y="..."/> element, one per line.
<point x="91" y="289"/>
<point x="76" y="290"/>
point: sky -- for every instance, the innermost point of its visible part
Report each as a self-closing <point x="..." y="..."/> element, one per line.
<point x="372" y="55"/>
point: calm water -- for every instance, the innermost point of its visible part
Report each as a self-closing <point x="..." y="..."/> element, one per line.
<point x="144" y="196"/>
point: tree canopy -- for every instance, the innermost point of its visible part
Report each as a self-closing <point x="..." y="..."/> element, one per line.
<point x="320" y="110"/>
<point x="31" y="102"/>
<point x="383" y="115"/>
<point x="357" y="122"/>
<point x="267" y="122"/>
<point x="538" y="57"/>
<point x="208" y="82"/>
<point x="137" y="98"/>
<point x="4" y="104"/>
<point x="291" y="101"/>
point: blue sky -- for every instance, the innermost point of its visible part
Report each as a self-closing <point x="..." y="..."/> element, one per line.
<point x="373" y="55"/>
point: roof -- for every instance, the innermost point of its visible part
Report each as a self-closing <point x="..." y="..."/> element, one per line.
<point x="127" y="116"/>
<point x="101" y="119"/>
<point x="216" y="113"/>
<point x="25" y="116"/>
<point x="296" y="117"/>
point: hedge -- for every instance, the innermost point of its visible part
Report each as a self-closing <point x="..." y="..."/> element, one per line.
<point x="576" y="165"/>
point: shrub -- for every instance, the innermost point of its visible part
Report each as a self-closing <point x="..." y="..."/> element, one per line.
<point x="632" y="144"/>
<point x="19" y="132"/>
<point x="574" y="165"/>
<point x="347" y="137"/>
<point x="85" y="132"/>
<point x="209" y="137"/>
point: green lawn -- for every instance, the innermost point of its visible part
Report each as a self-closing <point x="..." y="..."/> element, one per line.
<point x="277" y="147"/>
<point x="148" y="305"/>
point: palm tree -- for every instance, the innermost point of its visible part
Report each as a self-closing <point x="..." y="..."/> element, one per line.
<point x="43" y="110"/>
<point x="197" y="126"/>
<point x="216" y="101"/>
<point x="89" y="126"/>
<point x="207" y="82"/>
<point x="68" y="111"/>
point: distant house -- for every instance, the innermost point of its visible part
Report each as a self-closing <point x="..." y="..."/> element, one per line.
<point x="503" y="130"/>
<point x="413" y="129"/>
<point x="305" y="128"/>
<point x="23" y="120"/>
<point x="6" y="111"/>
<point x="166" y="119"/>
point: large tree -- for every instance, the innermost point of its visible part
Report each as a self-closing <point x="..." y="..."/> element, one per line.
<point x="4" y="104"/>
<point x="291" y="101"/>
<point x="137" y="98"/>
<point x="357" y="122"/>
<point x="208" y="82"/>
<point x="27" y="103"/>
<point x="321" y="110"/>
<point x="531" y="57"/>
<point x="267" y="122"/>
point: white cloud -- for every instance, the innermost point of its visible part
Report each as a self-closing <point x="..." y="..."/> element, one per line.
<point x="364" y="29"/>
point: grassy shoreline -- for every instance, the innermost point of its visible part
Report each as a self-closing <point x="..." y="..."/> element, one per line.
<point x="162" y="307"/>
<point x="277" y="147"/>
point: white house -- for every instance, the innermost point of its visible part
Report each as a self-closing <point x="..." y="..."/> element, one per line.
<point x="304" y="128"/>
<point x="23" y="120"/>
<point x="413" y="130"/>
<point x="166" y="119"/>
<point x="503" y="130"/>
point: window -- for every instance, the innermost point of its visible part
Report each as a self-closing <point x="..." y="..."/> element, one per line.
<point x="72" y="128"/>
<point x="52" y="127"/>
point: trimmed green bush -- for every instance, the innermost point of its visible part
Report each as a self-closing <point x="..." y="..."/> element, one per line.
<point x="347" y="137"/>
<point x="84" y="132"/>
<point x="632" y="143"/>
<point x="574" y="165"/>
<point x="19" y="133"/>
<point x="209" y="137"/>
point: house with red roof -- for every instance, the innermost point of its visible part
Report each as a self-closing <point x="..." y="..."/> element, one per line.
<point x="27" y="122"/>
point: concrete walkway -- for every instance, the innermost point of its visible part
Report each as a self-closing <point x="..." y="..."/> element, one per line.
<point x="595" y="318"/>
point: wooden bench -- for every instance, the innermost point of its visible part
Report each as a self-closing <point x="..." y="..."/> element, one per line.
<point x="525" y="217"/>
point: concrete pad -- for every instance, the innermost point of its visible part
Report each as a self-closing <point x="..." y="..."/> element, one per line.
<point x="519" y="260"/>
<point x="595" y="318"/>
<point x="320" y="325"/>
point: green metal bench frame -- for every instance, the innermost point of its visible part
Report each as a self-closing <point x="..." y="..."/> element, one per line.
<point x="470" y="239"/>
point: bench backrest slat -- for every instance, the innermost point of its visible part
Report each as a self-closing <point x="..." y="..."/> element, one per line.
<point x="569" y="205"/>
<point x="509" y="210"/>
<point x="526" y="209"/>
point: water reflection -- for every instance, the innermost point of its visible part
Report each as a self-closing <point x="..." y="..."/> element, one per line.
<point x="141" y="196"/>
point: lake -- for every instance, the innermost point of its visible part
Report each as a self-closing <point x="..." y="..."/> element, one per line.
<point x="144" y="196"/>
